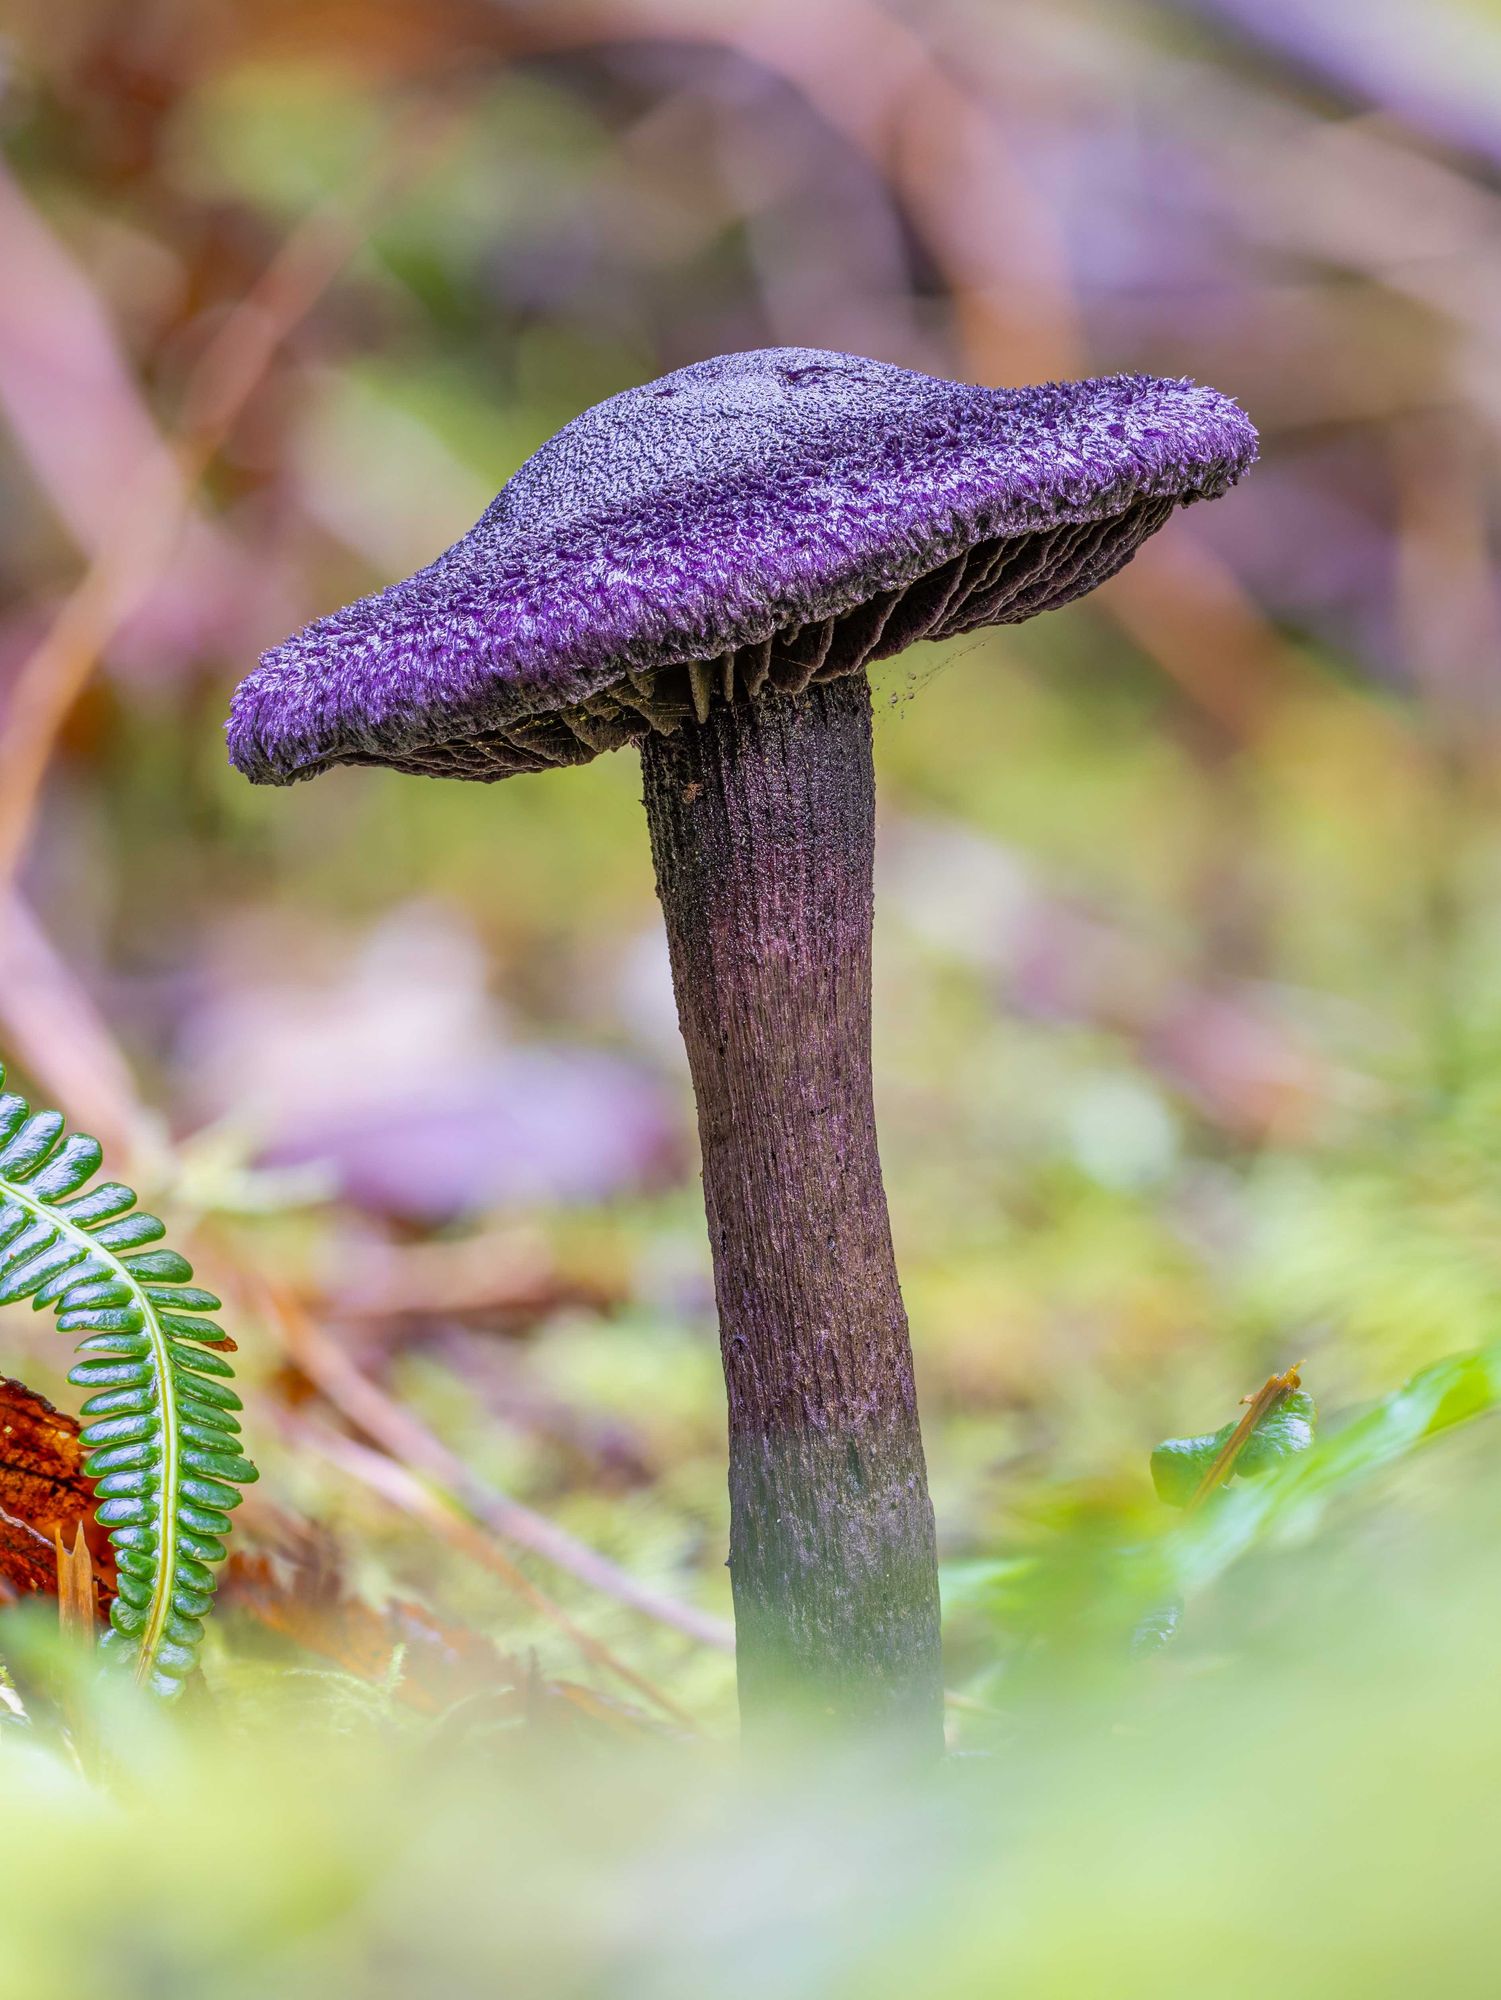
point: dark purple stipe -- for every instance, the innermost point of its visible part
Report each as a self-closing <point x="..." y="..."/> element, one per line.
<point x="763" y="832"/>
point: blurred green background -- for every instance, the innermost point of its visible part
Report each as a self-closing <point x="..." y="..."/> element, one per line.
<point x="1188" y="1005"/>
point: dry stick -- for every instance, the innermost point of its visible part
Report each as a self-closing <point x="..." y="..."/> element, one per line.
<point x="53" y="1029"/>
<point x="504" y="1269"/>
<point x="133" y="556"/>
<point x="77" y="1610"/>
<point x="920" y="124"/>
<point x="1189" y="612"/>
<point x="400" y="1487"/>
<point x="1317" y="182"/>
<point x="406" y="1439"/>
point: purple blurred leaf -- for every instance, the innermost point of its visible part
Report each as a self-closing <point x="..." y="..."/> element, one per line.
<point x="394" y="1069"/>
<point x="1436" y="66"/>
<point x="539" y="1125"/>
<point x="1312" y="547"/>
<point x="1229" y="1050"/>
<point x="76" y="413"/>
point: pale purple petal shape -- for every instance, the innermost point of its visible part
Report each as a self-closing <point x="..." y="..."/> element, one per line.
<point x="536" y="1126"/>
<point x="1438" y="67"/>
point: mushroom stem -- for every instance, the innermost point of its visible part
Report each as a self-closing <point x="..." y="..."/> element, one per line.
<point x="763" y="831"/>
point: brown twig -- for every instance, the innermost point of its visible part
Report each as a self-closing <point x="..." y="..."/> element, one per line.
<point x="504" y="1271"/>
<point x="137" y="550"/>
<point x="408" y="1441"/>
<point x="922" y="125"/>
<point x="59" y="1037"/>
<point x="77" y="1605"/>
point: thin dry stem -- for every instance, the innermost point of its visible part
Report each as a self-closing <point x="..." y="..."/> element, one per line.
<point x="134" y="555"/>
<point x="77" y="1608"/>
<point x="401" y="1488"/>
<point x="408" y="1441"/>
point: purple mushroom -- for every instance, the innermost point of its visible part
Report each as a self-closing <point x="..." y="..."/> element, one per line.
<point x="705" y="567"/>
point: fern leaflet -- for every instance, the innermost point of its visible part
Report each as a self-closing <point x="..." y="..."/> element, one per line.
<point x="161" y="1436"/>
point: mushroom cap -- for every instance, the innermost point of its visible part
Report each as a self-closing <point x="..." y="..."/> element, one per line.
<point x="747" y="524"/>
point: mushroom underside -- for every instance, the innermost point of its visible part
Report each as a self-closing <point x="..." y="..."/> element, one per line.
<point x="997" y="582"/>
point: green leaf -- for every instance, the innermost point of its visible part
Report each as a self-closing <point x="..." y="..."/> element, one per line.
<point x="1283" y="1429"/>
<point x="1437" y="1399"/>
<point x="162" y="1440"/>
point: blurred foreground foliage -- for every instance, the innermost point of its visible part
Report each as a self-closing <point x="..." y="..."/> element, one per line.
<point x="1294" y="1791"/>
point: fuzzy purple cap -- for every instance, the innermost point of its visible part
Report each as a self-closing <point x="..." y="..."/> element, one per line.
<point x="746" y="525"/>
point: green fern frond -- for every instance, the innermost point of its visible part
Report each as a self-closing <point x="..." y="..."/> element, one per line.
<point x="162" y="1436"/>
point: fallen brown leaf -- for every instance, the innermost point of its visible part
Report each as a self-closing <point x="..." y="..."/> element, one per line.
<point x="27" y="1562"/>
<point x="298" y="1591"/>
<point x="44" y="1494"/>
<point x="300" y="1594"/>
